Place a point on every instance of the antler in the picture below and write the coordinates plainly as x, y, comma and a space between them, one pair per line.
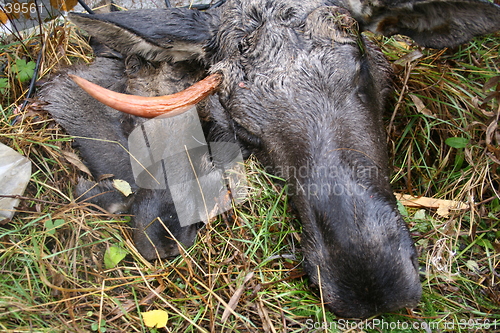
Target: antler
149, 107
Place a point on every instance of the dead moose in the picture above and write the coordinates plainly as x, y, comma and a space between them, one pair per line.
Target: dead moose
293, 82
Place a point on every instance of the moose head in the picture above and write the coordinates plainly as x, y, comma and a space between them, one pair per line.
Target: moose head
296, 84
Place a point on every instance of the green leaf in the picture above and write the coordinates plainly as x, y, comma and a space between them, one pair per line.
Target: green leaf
96, 326
473, 266
459, 159
24, 70
495, 205
485, 243
51, 226
402, 209
4, 85
456, 142
113, 256
419, 214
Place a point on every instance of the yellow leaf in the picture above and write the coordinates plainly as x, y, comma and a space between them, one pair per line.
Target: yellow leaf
3, 17
403, 45
420, 106
64, 5
122, 186
443, 211
155, 318
442, 204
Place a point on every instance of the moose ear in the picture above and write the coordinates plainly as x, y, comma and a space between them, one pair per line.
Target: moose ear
160, 34
436, 24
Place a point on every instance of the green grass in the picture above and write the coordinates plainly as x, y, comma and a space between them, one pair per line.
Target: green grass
52, 272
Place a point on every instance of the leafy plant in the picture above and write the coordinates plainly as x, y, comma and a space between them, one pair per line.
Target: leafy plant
24, 70
114, 254
456, 142
52, 225
4, 85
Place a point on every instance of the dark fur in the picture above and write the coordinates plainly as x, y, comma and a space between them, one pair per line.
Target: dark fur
303, 91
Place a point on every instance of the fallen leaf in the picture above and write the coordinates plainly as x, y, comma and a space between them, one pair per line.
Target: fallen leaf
233, 302
409, 58
75, 160
491, 83
491, 131
443, 206
113, 255
267, 325
3, 17
473, 266
420, 106
155, 318
105, 176
64, 5
122, 186
443, 211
